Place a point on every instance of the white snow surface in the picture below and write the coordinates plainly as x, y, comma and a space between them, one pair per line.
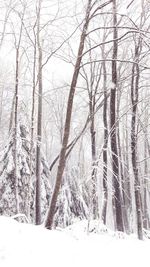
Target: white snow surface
28, 245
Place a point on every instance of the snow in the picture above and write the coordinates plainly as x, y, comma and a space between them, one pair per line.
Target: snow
28, 245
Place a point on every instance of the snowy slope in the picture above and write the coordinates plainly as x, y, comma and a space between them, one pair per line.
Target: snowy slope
28, 245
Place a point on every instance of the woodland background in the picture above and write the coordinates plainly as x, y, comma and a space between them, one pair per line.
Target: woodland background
74, 112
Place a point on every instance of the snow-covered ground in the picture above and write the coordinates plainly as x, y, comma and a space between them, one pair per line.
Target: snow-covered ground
27, 245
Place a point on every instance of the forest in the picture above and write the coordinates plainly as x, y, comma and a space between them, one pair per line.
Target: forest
74, 112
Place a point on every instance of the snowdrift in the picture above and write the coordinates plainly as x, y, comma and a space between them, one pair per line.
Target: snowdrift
26, 245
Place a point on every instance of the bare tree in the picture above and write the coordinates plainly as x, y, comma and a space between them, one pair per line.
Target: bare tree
17, 47
39, 122
61, 165
134, 99
105, 158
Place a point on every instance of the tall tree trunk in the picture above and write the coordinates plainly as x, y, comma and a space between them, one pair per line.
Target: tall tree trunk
11, 120
1, 105
134, 100
17, 44
16, 130
39, 124
146, 222
61, 165
32, 130
105, 107
93, 149
113, 137
121, 164
127, 183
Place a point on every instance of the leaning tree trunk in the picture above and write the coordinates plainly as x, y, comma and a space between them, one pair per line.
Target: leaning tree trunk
62, 160
113, 136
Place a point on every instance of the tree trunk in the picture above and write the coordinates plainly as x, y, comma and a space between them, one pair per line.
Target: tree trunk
11, 120
39, 125
61, 165
17, 44
93, 150
146, 222
113, 137
16, 130
32, 130
134, 100
105, 107
121, 165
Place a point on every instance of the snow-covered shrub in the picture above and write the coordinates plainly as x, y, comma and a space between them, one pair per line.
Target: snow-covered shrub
25, 176
71, 205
